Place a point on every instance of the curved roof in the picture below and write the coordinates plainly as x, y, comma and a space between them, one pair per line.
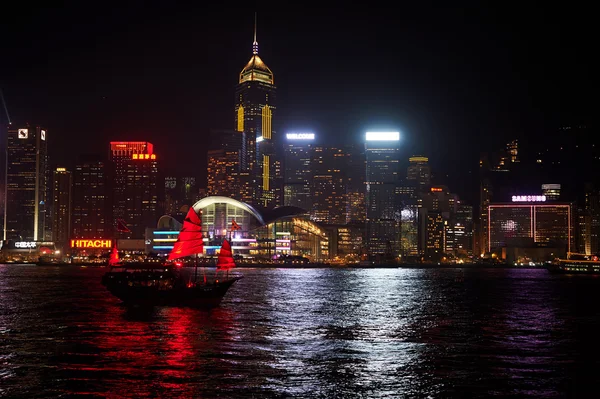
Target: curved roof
282, 211
256, 69
204, 202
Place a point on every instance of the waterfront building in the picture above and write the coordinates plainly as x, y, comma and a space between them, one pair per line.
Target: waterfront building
268, 236
298, 151
90, 207
62, 183
27, 181
529, 221
328, 185
381, 177
134, 176
255, 106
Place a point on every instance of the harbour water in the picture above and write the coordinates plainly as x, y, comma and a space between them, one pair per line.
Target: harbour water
308, 333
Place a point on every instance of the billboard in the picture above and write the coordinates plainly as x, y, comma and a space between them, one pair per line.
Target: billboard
23, 133
94, 243
382, 136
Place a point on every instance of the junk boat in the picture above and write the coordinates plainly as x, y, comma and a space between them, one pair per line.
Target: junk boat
165, 284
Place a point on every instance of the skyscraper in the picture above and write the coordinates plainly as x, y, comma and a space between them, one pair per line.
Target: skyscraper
254, 114
61, 206
26, 191
90, 217
134, 175
329, 185
383, 211
225, 176
297, 163
419, 171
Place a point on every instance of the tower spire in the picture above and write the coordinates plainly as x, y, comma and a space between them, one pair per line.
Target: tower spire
255, 43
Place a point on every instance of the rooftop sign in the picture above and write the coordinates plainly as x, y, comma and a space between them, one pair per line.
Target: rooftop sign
104, 243
300, 136
528, 198
382, 136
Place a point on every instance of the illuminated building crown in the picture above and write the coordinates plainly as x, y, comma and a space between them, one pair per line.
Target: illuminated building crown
256, 69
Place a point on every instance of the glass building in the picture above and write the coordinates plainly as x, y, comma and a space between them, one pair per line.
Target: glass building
522, 224
383, 210
61, 206
134, 175
255, 106
90, 210
276, 235
297, 163
27, 180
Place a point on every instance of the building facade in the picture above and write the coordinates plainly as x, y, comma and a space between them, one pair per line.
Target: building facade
90, 216
62, 184
328, 185
527, 224
27, 181
134, 175
255, 106
382, 174
419, 171
298, 151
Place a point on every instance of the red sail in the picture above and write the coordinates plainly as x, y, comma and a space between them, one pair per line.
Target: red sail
114, 257
189, 241
225, 257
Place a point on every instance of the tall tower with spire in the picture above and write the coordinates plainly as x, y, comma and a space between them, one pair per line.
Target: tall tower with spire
254, 116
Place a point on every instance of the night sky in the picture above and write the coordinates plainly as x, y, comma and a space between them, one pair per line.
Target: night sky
454, 81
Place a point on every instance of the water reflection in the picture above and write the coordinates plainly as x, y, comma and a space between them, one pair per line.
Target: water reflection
304, 333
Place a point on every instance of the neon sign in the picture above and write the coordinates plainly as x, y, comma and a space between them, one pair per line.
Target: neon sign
436, 189
143, 156
25, 244
91, 243
528, 198
300, 136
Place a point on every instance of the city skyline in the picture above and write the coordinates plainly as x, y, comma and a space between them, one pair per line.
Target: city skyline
431, 98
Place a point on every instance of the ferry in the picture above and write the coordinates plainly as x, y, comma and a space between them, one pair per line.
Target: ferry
576, 263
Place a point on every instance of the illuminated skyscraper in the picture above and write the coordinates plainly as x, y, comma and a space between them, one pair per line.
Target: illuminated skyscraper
419, 171
180, 192
225, 176
61, 206
329, 185
254, 115
297, 163
134, 175
26, 191
383, 208
90, 217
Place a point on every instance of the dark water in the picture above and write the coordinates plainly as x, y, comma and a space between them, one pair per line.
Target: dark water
311, 333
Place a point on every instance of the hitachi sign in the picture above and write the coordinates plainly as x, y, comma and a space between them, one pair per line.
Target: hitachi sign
91, 243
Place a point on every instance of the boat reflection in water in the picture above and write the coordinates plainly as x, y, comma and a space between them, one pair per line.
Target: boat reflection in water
152, 284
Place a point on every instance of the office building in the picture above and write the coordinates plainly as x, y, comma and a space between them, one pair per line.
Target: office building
224, 166
90, 216
530, 221
328, 185
26, 190
419, 171
298, 150
61, 206
381, 177
134, 175
551, 191
180, 193
255, 106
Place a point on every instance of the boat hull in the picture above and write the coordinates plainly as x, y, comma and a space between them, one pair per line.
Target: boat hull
574, 267
197, 296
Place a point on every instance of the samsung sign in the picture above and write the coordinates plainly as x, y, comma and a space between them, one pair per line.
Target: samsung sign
300, 136
528, 198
